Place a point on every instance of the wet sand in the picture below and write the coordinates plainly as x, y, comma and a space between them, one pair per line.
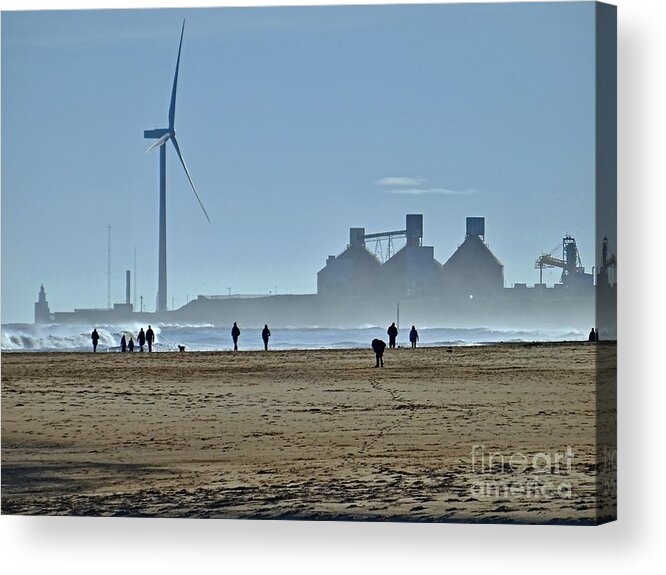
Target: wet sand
307, 434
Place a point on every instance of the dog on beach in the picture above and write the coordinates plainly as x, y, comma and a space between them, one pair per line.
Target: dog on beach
181, 348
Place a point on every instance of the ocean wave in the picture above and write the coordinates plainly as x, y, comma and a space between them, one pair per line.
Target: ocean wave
29, 337
53, 338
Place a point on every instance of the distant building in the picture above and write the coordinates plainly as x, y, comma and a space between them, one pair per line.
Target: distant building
473, 270
362, 287
413, 270
42, 312
352, 273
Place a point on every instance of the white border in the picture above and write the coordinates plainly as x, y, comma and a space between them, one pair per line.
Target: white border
69, 545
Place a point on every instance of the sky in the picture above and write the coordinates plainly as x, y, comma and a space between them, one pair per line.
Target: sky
296, 124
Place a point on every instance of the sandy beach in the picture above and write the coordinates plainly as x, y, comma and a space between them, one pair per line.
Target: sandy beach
502, 433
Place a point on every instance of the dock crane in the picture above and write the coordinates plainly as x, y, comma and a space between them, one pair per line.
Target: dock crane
569, 263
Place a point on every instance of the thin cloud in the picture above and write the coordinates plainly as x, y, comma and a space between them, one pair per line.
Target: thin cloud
429, 191
400, 181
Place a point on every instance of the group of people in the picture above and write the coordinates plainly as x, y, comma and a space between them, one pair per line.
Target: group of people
143, 338
378, 345
265, 335
392, 332
148, 338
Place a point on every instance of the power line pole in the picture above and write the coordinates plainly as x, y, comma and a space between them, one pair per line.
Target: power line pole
108, 268
134, 278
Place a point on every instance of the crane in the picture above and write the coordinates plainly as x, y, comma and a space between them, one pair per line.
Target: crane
569, 263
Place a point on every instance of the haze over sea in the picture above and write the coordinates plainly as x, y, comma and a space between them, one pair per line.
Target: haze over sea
30, 337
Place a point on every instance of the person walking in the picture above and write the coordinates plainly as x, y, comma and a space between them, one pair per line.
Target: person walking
123, 344
235, 333
150, 337
142, 339
94, 336
413, 336
130, 345
392, 332
265, 334
378, 346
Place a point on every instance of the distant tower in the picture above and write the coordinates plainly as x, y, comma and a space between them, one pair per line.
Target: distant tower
604, 253
108, 268
42, 312
127, 288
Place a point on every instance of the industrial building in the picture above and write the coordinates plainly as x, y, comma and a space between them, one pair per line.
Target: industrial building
574, 279
473, 270
119, 312
370, 282
413, 271
351, 274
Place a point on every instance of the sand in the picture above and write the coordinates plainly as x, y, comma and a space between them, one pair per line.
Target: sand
307, 434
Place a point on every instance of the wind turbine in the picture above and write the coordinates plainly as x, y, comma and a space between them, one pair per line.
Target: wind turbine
163, 135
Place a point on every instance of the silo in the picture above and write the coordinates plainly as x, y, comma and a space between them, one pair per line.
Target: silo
352, 273
473, 270
413, 270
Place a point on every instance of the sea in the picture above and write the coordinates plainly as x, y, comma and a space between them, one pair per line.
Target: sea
76, 338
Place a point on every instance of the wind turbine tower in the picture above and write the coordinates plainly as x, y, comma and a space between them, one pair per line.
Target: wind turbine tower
163, 135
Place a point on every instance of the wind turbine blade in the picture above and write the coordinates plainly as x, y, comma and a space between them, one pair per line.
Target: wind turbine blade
159, 142
182, 161
172, 104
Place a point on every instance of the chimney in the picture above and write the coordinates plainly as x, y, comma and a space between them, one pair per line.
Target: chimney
127, 287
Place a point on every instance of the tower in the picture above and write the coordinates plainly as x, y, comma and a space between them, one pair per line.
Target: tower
42, 312
163, 135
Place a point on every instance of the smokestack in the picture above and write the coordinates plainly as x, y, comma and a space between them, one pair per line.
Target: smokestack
127, 287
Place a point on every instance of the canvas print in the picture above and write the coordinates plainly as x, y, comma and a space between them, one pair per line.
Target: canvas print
317, 263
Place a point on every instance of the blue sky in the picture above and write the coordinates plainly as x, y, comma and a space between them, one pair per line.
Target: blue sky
295, 124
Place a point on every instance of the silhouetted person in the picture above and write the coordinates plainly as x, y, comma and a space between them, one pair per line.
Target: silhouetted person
596, 335
392, 332
235, 333
150, 337
378, 346
95, 338
413, 336
130, 345
265, 334
141, 339
592, 336
123, 344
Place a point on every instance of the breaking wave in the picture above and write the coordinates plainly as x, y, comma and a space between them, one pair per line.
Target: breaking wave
29, 337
